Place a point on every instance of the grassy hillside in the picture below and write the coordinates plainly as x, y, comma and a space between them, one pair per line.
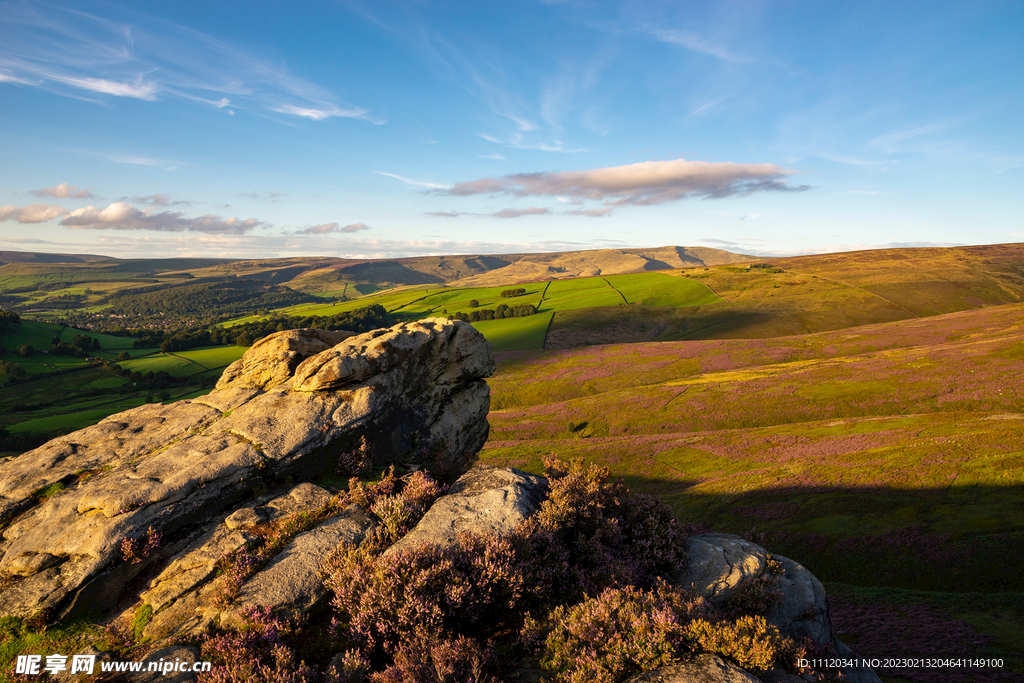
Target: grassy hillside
887, 458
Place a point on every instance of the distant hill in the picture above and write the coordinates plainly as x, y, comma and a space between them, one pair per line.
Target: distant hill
326, 274
39, 257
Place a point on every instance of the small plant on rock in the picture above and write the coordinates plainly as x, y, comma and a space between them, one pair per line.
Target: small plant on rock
135, 550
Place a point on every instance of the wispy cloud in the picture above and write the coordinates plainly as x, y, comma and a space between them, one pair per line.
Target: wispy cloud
122, 216
332, 228
504, 213
271, 196
160, 199
32, 213
63, 191
417, 183
593, 213
496, 157
131, 54
649, 182
891, 143
697, 43
516, 213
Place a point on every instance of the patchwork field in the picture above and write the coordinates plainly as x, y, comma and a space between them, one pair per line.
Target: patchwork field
888, 458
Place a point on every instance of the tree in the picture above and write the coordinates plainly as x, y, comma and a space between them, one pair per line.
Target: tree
473, 303
124, 355
8, 319
25, 350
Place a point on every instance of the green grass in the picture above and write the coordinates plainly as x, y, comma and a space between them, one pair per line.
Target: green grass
213, 356
515, 334
656, 289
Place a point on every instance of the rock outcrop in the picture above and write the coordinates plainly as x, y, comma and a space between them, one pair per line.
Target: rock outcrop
485, 500
720, 564
295, 404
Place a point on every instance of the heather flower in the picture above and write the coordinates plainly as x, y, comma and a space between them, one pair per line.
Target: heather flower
135, 550
617, 634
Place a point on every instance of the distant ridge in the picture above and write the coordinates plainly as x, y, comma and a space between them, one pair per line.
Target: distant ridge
40, 257
322, 274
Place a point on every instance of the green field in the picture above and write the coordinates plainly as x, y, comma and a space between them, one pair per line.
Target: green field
552, 299
515, 334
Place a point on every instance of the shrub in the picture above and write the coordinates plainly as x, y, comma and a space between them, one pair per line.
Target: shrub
135, 550
617, 634
255, 654
475, 584
426, 657
750, 641
398, 513
613, 537
351, 669
518, 291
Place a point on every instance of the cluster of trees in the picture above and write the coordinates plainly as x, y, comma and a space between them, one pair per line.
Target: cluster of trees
8, 320
207, 299
364, 319
518, 291
502, 311
12, 369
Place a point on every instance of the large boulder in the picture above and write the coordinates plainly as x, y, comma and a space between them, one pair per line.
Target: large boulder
485, 500
718, 565
272, 360
417, 393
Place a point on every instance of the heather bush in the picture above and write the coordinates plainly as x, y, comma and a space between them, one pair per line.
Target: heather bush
472, 586
613, 537
617, 634
399, 512
426, 657
255, 654
351, 669
135, 550
750, 641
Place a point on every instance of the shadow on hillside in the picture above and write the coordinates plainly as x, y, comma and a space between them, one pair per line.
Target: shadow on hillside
714, 324
872, 536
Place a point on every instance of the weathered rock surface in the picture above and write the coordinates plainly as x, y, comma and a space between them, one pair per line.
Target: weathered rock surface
172, 468
485, 500
292, 581
719, 564
272, 360
705, 668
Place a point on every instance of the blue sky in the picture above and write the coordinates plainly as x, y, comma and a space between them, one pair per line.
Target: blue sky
369, 129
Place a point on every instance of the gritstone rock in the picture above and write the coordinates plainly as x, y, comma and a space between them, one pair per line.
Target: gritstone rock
415, 390
485, 500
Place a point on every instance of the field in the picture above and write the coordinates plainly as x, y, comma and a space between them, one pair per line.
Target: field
887, 458
587, 297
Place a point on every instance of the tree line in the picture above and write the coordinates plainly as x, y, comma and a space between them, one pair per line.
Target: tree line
502, 311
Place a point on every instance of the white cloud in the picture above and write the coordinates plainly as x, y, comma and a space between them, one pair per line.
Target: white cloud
271, 196
160, 199
32, 213
332, 228
696, 43
516, 213
328, 112
418, 183
138, 90
63, 191
131, 54
593, 213
496, 157
122, 216
649, 182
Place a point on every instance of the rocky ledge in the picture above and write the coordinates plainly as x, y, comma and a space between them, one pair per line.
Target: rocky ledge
298, 404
